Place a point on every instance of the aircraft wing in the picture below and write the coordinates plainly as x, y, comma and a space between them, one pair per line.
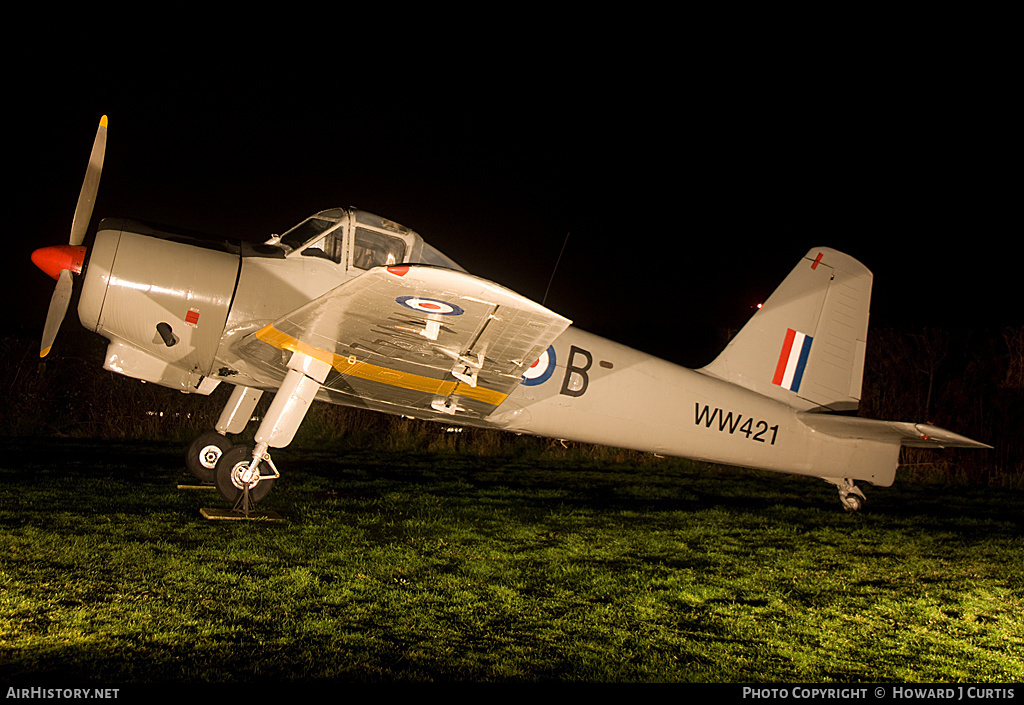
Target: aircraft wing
417, 337
914, 435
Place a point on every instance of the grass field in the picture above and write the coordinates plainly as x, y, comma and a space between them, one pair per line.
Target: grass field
413, 567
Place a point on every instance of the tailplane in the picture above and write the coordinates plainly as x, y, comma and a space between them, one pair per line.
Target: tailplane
805, 346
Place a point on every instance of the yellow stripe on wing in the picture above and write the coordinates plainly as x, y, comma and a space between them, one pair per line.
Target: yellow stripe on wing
351, 367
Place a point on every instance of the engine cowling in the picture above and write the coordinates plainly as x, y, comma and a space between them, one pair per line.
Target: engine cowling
161, 303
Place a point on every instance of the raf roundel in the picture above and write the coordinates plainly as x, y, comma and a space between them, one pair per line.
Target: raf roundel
541, 371
418, 303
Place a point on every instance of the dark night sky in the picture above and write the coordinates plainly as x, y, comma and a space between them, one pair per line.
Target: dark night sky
689, 195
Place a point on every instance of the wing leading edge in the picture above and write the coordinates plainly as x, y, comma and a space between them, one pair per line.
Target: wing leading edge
417, 337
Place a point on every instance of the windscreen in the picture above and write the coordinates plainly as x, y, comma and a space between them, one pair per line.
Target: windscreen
305, 231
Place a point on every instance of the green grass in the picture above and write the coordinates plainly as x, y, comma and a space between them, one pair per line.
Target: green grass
410, 567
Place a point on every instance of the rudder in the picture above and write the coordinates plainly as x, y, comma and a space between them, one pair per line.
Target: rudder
805, 346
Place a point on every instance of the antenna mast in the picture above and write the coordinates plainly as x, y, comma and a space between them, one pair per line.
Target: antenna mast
545, 299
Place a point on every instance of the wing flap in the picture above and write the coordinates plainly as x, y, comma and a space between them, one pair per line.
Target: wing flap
417, 337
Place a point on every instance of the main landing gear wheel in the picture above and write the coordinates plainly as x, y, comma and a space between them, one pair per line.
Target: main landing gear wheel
232, 477
202, 456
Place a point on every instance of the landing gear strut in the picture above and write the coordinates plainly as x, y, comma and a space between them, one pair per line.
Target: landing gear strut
244, 474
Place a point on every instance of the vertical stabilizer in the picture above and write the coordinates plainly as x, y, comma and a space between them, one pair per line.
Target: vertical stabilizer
805, 346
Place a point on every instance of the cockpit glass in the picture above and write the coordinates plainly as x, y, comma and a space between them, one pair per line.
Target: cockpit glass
374, 249
331, 246
305, 231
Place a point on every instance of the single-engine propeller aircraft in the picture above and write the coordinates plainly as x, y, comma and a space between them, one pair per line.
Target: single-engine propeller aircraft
351, 308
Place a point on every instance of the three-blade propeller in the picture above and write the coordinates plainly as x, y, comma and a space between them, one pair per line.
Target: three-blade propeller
60, 261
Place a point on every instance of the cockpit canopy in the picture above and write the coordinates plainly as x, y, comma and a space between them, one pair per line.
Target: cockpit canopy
359, 240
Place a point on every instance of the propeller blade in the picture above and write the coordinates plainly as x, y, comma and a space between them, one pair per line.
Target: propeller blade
90, 185
61, 261
58, 307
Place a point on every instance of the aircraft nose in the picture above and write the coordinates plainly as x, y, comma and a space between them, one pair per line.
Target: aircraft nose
56, 258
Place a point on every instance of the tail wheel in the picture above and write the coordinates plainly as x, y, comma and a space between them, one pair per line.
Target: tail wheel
852, 503
204, 453
231, 475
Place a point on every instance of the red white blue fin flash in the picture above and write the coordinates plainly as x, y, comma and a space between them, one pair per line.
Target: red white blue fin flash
795, 350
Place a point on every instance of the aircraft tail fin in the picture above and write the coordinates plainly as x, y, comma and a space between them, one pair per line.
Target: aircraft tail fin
805, 346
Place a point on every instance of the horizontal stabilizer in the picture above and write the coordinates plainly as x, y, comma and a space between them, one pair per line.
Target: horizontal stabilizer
912, 435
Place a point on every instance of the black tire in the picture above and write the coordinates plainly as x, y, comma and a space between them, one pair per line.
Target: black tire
202, 456
236, 459
853, 503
